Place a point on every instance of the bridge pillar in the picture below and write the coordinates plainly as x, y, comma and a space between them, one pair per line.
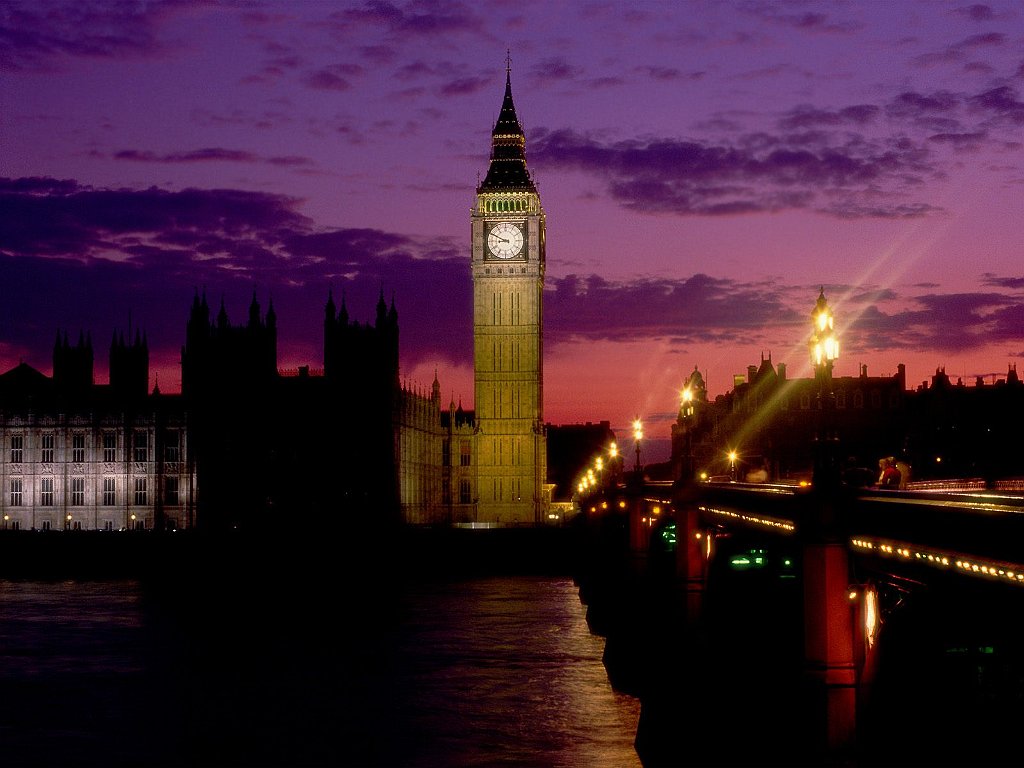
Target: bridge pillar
639, 525
691, 571
829, 636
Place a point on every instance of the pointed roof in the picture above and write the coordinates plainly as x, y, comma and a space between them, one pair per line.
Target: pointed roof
22, 382
766, 368
507, 169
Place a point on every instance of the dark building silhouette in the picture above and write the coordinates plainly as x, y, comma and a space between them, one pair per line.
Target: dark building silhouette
966, 431
274, 449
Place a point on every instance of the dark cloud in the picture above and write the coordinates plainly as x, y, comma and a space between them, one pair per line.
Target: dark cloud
656, 72
93, 255
960, 140
465, 85
1001, 103
912, 105
960, 50
1002, 282
691, 310
326, 80
37, 35
806, 21
701, 309
979, 41
806, 116
976, 12
417, 18
952, 323
844, 176
210, 154
554, 69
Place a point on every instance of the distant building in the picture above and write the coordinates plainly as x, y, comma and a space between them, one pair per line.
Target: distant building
956, 430
771, 422
940, 430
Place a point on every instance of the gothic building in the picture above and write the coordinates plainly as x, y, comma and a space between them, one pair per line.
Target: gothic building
307, 449
246, 445
77, 455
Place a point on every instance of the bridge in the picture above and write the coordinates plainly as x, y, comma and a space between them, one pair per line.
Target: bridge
852, 554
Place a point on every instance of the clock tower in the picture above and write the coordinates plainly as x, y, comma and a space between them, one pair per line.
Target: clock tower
507, 224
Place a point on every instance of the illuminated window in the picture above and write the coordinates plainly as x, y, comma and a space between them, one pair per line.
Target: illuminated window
46, 449
77, 491
140, 491
78, 447
171, 491
16, 487
109, 447
464, 453
46, 492
109, 492
17, 447
139, 446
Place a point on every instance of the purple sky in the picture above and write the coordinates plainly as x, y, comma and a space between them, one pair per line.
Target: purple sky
705, 168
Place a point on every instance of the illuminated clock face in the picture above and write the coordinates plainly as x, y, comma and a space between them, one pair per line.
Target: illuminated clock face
505, 240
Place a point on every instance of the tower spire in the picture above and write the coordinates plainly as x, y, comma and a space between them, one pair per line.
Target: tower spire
507, 169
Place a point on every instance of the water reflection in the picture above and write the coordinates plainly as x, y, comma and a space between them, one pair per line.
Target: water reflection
507, 673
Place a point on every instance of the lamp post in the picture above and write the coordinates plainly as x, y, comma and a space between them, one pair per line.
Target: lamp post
824, 344
830, 638
824, 349
638, 433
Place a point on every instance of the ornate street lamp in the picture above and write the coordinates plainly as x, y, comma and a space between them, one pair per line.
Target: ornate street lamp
638, 433
824, 348
824, 344
687, 397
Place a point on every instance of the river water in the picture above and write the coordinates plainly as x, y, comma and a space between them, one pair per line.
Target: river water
260, 671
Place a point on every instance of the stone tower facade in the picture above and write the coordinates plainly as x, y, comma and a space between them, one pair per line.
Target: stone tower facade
508, 241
